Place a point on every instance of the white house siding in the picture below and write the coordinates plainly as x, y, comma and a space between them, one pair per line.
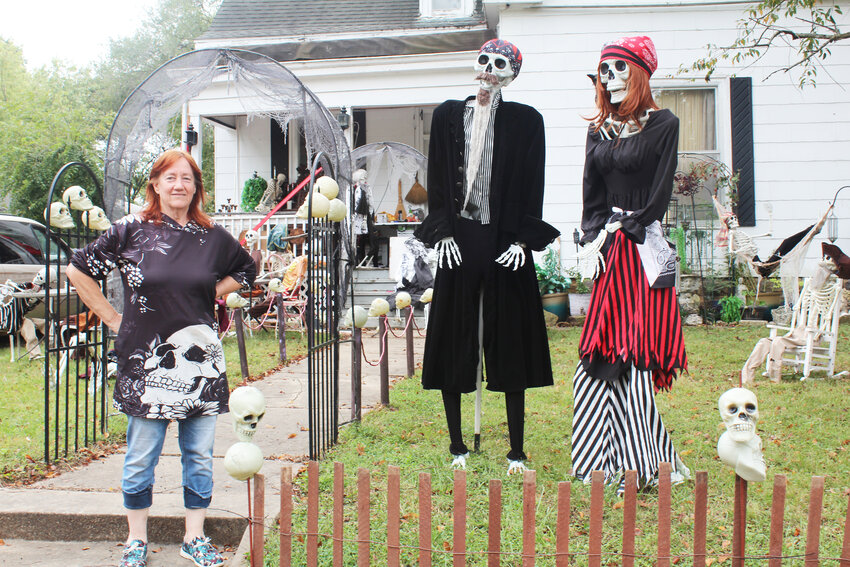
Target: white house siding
801, 137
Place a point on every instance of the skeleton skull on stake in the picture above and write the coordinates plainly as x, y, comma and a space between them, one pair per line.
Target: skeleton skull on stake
96, 219
243, 460
379, 307
402, 300
59, 216
236, 301
614, 74
740, 447
76, 198
248, 406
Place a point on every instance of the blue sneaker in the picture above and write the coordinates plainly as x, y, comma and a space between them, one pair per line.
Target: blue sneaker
201, 552
135, 554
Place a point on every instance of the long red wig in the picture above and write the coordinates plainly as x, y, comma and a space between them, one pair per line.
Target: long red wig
638, 99
153, 208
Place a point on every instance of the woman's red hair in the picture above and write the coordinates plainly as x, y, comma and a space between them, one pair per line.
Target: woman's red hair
638, 99
153, 208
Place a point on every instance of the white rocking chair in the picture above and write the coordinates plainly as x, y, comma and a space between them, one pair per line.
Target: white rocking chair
814, 325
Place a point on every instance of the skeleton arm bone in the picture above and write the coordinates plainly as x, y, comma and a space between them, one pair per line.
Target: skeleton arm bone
89, 291
447, 252
513, 257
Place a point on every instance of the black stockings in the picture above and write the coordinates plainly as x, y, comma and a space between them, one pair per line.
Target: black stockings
515, 406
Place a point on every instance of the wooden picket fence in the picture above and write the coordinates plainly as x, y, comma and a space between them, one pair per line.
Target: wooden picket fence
593, 557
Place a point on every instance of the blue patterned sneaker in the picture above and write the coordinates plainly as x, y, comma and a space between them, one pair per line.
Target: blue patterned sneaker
135, 554
201, 552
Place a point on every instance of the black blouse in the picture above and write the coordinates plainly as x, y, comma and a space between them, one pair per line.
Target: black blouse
634, 174
170, 360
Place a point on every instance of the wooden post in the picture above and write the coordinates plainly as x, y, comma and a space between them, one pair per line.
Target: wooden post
281, 327
494, 533
529, 512
408, 337
845, 550
393, 516
813, 529
362, 517
285, 516
339, 517
356, 373
459, 515
240, 342
629, 518
700, 518
385, 362
313, 514
664, 502
594, 549
777, 520
424, 520
739, 522
257, 524
562, 529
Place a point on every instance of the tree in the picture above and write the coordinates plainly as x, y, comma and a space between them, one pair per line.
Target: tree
808, 27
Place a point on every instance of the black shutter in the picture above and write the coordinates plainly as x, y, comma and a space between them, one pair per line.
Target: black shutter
741, 89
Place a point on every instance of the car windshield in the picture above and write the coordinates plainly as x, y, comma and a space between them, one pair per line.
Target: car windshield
25, 243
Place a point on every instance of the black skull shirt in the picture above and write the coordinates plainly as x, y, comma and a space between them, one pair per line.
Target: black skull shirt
170, 359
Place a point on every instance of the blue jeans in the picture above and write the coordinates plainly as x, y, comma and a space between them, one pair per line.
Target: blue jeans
144, 446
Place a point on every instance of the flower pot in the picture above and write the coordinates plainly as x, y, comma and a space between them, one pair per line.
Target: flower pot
579, 303
557, 304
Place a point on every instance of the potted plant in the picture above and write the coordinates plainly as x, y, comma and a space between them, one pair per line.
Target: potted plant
553, 284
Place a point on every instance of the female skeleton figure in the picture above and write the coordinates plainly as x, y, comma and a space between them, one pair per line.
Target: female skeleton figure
631, 342
485, 202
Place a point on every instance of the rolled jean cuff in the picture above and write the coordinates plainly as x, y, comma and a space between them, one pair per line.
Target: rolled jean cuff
139, 500
194, 501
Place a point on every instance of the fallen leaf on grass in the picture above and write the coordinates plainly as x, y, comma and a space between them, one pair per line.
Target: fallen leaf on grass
726, 543
796, 532
361, 449
617, 505
446, 546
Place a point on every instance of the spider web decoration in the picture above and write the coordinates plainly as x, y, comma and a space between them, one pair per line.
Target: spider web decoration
392, 160
263, 87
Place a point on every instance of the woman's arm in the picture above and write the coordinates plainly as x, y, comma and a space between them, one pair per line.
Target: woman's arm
226, 285
89, 291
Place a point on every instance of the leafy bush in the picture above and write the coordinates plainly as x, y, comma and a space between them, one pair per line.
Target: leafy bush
550, 273
253, 192
731, 308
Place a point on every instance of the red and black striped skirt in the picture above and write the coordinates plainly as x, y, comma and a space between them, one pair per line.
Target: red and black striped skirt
630, 323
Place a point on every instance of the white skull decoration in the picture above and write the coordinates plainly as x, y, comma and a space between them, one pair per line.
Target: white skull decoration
251, 238
493, 64
96, 219
740, 447
41, 277
359, 176
235, 301
59, 216
402, 300
379, 307
243, 460
276, 286
247, 406
76, 198
614, 74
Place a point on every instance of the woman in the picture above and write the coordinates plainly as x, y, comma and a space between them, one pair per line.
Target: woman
174, 262
631, 342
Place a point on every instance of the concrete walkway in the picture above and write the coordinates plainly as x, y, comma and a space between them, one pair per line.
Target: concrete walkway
77, 518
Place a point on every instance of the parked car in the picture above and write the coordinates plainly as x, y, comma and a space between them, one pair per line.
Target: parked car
23, 246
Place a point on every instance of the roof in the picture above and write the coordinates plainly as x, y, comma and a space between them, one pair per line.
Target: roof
342, 28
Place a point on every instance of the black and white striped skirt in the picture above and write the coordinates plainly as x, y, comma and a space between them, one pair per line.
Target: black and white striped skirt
617, 427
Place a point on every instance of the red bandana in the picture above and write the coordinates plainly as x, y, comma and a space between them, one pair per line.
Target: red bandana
638, 50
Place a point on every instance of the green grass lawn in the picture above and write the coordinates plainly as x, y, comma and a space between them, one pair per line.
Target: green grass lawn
804, 430
22, 410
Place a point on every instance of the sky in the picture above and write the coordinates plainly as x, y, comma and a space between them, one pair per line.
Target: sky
74, 31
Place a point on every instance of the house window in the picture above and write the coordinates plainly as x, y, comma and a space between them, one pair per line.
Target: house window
697, 125
438, 8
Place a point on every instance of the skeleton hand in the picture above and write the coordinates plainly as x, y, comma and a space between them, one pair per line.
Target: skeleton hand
513, 256
447, 252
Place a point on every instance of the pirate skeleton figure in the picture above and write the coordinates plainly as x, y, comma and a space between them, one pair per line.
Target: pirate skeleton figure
485, 201
631, 344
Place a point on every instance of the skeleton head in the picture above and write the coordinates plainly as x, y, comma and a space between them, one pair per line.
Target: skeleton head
498, 64
235, 301
327, 187
251, 238
402, 300
614, 74
740, 412
76, 198
427, 295
243, 460
379, 307
41, 277
359, 176
96, 219
248, 406
180, 371
276, 286
59, 216
336, 210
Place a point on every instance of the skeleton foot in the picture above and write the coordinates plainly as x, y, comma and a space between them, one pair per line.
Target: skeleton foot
459, 461
516, 467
